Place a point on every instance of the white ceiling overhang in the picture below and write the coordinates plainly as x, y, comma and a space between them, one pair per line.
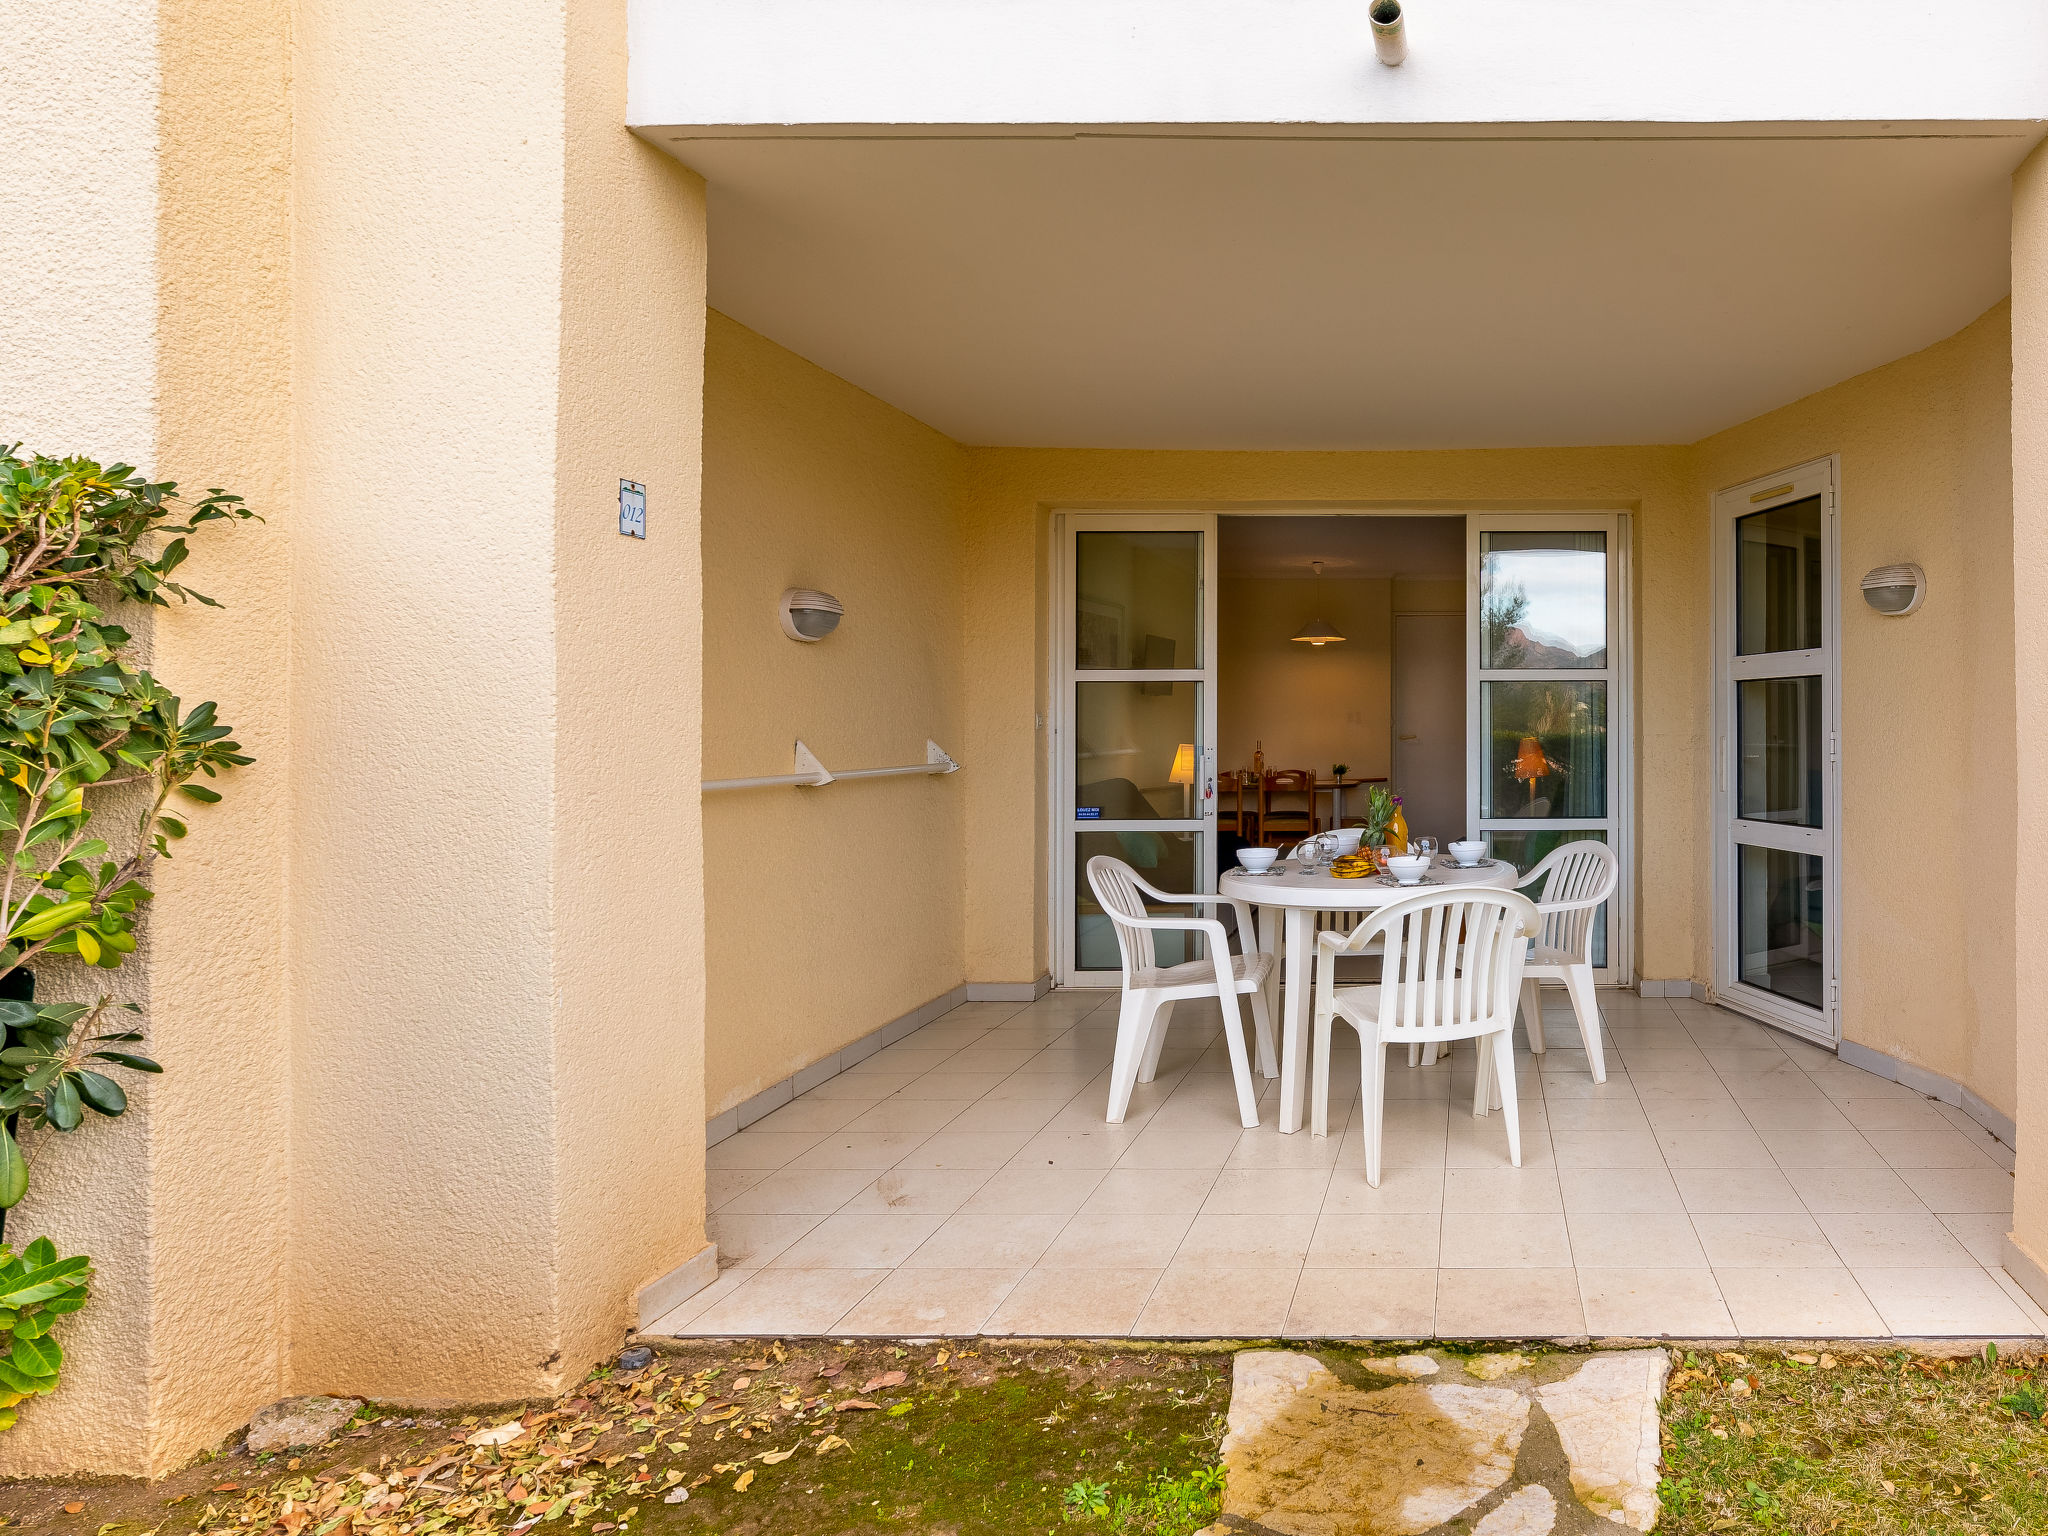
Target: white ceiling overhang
1389, 287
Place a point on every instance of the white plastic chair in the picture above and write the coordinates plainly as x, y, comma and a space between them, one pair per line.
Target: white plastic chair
1577, 877
1452, 971
1151, 990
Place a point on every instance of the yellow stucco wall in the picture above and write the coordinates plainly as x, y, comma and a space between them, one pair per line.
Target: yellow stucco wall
838, 909
1928, 767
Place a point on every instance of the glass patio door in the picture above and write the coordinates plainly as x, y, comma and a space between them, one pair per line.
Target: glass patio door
1546, 709
1777, 734
1134, 722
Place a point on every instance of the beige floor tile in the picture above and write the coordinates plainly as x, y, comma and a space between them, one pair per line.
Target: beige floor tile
1747, 1060
787, 1301
1942, 1302
1405, 1188
985, 1057
1696, 1115
987, 1240
1148, 1191
1619, 1191
1654, 1303
860, 1149
1118, 1240
2036, 1316
1696, 1085
1265, 1147
1798, 1304
1502, 1190
1764, 1241
1247, 1242
1825, 1149
1505, 1240
760, 1149
966, 1149
1020, 1190
1481, 1143
1508, 1303
1607, 1149
918, 1189
679, 1319
722, 1185
1642, 1064
1949, 1191
1775, 1087
903, 1057
814, 1115
1262, 1191
1853, 1189
860, 1240
1155, 1148
1617, 1114
1736, 1191
1896, 1240
1363, 1304
1093, 1303
1568, 1087
1199, 1300
965, 1087
1714, 1149
1784, 1117
869, 1086
818, 1190
985, 1115
1377, 1242
927, 1302
750, 1240
1980, 1232
894, 1114
1060, 1088
1099, 1147
1634, 1241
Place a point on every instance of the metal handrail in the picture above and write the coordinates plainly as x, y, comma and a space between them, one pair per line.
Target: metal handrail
812, 774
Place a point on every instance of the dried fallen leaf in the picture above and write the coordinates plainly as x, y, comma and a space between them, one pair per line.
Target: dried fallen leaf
79, 1509
720, 1415
497, 1434
856, 1402
886, 1379
829, 1371
744, 1481
676, 1496
753, 1365
829, 1443
1805, 1359
1827, 1362
776, 1458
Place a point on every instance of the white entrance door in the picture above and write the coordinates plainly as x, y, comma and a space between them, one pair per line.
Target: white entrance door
1546, 708
1134, 722
1777, 729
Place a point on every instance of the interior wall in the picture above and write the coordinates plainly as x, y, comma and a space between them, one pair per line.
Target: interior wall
1929, 768
1312, 706
839, 909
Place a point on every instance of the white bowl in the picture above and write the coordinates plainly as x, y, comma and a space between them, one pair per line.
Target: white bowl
1257, 860
1408, 868
1467, 853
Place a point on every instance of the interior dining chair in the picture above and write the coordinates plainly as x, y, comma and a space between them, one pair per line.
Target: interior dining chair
1235, 816
1286, 824
1577, 878
1151, 990
1452, 970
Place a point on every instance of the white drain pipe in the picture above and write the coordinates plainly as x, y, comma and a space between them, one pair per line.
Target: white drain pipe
1389, 31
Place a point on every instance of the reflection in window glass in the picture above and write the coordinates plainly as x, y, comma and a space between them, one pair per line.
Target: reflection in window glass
1169, 861
1777, 734
1778, 574
1128, 757
1525, 850
1545, 750
1778, 918
1543, 600
1139, 601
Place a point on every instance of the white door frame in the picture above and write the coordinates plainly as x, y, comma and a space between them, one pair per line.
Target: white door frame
1822, 477
1618, 674
1066, 526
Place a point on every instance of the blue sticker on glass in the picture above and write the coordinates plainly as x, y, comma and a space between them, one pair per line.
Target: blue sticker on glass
1087, 813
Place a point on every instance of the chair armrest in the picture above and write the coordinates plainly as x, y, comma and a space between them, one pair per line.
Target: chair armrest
1545, 908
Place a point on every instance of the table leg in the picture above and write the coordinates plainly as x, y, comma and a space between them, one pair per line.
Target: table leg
1297, 1017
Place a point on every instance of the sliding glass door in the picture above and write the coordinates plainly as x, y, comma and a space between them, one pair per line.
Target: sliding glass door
1545, 704
1134, 721
1777, 726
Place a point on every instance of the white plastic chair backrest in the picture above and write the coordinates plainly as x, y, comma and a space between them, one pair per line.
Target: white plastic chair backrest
1115, 885
1453, 961
1578, 872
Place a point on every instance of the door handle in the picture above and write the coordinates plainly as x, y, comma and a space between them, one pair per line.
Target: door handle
1410, 736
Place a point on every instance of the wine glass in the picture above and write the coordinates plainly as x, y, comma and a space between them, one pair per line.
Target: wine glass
1425, 846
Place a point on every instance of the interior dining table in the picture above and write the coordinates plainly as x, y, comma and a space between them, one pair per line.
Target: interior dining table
1286, 901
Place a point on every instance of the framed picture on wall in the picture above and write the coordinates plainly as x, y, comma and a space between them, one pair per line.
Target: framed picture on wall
1098, 635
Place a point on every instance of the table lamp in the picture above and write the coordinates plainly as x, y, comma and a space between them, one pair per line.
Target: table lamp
1184, 775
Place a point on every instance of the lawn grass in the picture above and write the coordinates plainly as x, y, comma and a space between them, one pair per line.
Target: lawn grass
1857, 1442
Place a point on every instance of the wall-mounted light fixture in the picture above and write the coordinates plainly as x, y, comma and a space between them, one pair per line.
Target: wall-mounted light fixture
1895, 590
1318, 631
1389, 31
809, 616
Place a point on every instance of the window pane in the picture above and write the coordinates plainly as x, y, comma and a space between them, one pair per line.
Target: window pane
1543, 600
1546, 749
1777, 733
1778, 559
1139, 601
1778, 920
1136, 750
1525, 850
1168, 860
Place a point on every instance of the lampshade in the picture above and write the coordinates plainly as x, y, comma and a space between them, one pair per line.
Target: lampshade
1183, 765
1530, 761
1318, 632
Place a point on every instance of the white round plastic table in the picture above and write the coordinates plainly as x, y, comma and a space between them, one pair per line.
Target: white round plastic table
1299, 897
